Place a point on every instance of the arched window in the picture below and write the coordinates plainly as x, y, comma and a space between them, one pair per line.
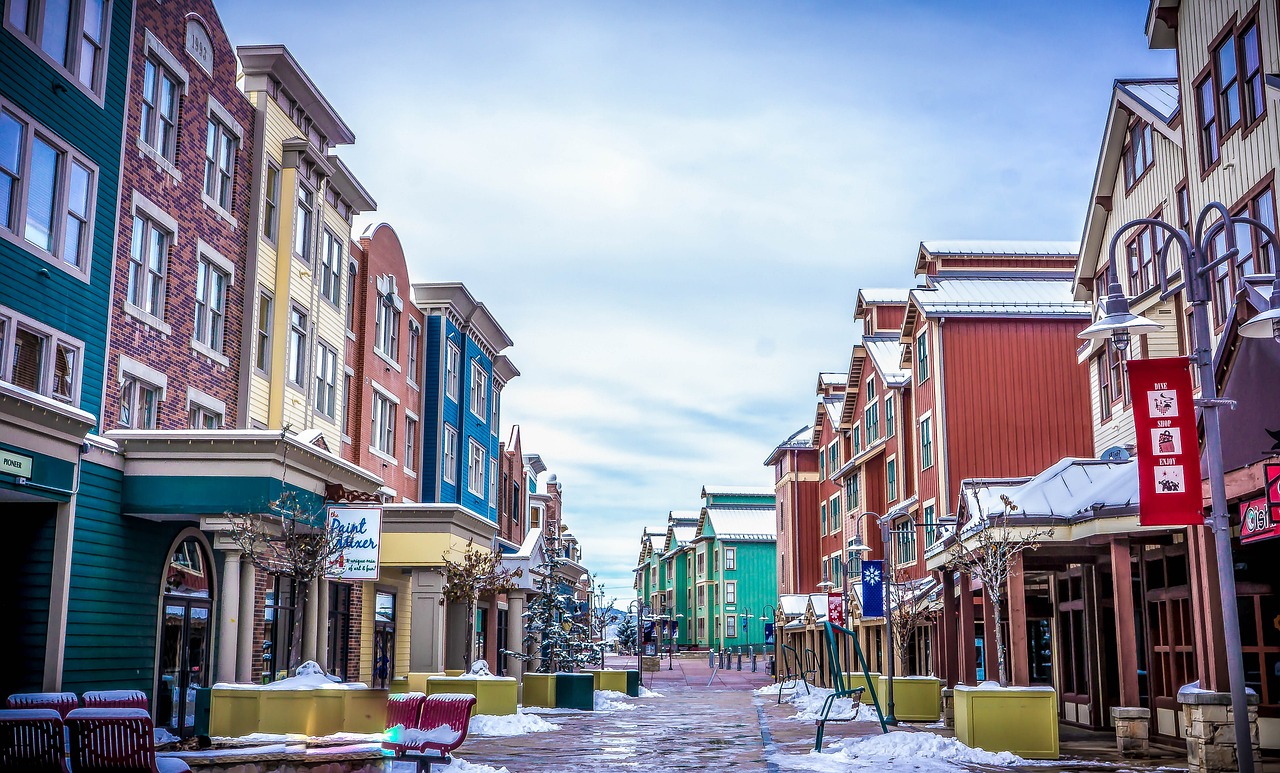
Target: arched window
186, 635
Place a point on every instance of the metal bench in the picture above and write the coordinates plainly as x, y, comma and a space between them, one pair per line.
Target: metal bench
32, 740
116, 699
117, 740
441, 728
404, 709
841, 689
790, 655
61, 702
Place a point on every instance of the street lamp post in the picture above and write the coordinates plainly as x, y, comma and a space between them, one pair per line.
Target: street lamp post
1118, 324
642, 609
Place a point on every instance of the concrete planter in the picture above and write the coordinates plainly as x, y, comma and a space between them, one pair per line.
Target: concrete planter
1022, 720
854, 680
494, 695
454, 672
609, 680
575, 691
418, 680
915, 698
364, 711
237, 712
539, 690
233, 712
326, 712
284, 711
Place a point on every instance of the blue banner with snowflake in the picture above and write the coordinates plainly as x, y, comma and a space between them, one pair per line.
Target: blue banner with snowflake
873, 589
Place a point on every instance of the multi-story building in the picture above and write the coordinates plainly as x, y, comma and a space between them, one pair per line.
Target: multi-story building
734, 574
677, 568
516, 481
796, 483
832, 453
180, 284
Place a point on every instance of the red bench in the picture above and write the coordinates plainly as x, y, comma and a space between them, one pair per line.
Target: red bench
440, 729
116, 740
116, 699
404, 709
31, 740
61, 702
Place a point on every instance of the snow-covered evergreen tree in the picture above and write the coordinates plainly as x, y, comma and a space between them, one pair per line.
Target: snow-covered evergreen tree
557, 634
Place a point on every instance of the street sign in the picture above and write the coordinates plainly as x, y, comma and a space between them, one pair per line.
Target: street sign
1164, 416
873, 588
1260, 518
835, 608
359, 530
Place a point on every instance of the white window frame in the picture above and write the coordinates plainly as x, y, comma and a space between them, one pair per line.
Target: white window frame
70, 69
224, 127
295, 364
449, 454
326, 376
413, 360
144, 377
731, 592
304, 203
383, 423
730, 559
330, 269
139, 269
476, 462
264, 335
62, 215
386, 332
166, 65
493, 482
200, 404
479, 397
53, 340
452, 364
730, 626
926, 431
211, 263
271, 201
410, 443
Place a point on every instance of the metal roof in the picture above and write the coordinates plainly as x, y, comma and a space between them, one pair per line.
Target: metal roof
883, 294
1160, 96
743, 523
834, 406
999, 296
720, 490
1069, 488
827, 378
999, 247
886, 353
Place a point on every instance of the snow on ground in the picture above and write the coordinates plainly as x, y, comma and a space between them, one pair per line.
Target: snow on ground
458, 765
163, 736
809, 706
645, 692
770, 689
899, 750
612, 700
519, 723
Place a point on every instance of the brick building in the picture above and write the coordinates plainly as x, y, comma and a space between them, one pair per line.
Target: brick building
185, 198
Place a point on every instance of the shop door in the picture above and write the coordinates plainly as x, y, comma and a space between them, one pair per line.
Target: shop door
384, 639
185, 637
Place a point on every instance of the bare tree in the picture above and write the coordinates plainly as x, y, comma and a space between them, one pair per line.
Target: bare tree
909, 605
286, 541
477, 573
990, 555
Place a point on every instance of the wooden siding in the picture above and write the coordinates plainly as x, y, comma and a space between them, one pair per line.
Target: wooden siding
924, 400
29, 538
1016, 399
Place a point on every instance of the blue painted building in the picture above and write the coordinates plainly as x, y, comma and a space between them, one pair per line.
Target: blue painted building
466, 372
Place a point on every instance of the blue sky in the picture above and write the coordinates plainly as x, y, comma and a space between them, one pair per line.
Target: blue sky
670, 206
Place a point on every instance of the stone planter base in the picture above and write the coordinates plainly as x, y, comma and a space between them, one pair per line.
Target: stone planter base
915, 698
651, 662
358, 758
949, 707
1133, 730
494, 695
538, 690
1208, 721
1022, 720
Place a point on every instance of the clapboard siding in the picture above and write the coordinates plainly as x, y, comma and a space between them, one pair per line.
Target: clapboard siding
30, 535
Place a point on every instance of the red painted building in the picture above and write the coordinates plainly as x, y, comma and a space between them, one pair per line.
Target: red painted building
829, 445
185, 200
513, 490
795, 466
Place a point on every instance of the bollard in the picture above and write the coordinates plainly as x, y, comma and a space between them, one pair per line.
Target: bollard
711, 659
739, 658
753, 661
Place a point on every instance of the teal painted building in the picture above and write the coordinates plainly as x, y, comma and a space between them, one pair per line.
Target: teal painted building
734, 553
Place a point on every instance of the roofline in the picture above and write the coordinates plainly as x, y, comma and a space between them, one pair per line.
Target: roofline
349, 187
455, 297
275, 60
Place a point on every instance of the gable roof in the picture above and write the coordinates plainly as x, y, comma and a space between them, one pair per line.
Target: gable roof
857, 361
800, 440
828, 378
829, 410
999, 295
738, 524
720, 490
998, 247
885, 353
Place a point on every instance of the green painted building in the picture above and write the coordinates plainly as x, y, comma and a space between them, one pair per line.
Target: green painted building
733, 554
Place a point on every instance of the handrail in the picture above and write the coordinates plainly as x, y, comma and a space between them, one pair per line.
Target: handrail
833, 657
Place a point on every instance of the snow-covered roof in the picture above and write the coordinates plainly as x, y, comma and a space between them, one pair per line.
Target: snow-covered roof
883, 295
743, 523
886, 353
999, 247
793, 604
999, 296
1068, 489
719, 490
1160, 95
801, 439
832, 379
687, 517
834, 406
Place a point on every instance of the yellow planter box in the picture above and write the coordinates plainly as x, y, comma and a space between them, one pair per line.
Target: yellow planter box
400, 685
233, 712
539, 690
326, 712
364, 711
494, 695
418, 680
285, 711
1022, 720
606, 679
454, 672
853, 681
915, 698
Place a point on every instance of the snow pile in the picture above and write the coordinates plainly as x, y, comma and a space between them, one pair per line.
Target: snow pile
612, 700
809, 707
308, 677
519, 723
441, 735
645, 692
163, 736
770, 689
458, 765
899, 750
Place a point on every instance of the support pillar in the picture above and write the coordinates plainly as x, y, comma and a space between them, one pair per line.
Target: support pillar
949, 629
244, 627
968, 643
309, 629
1206, 610
60, 594
990, 661
228, 615
491, 633
515, 632
1016, 592
1126, 636
322, 625
1209, 722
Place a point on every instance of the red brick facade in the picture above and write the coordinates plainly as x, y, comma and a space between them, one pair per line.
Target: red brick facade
377, 257
513, 494
165, 34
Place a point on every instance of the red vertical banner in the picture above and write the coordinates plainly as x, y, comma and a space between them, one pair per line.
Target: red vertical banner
1164, 416
835, 608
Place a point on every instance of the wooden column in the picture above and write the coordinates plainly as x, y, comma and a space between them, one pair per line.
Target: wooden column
1206, 609
968, 671
949, 630
1126, 636
491, 643
1019, 665
990, 659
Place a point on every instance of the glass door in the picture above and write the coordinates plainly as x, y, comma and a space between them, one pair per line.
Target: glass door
185, 638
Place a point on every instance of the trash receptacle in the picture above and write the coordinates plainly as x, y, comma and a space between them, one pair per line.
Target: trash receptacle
575, 691
633, 683
203, 699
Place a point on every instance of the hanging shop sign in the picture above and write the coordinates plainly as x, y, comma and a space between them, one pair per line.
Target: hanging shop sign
835, 608
768, 633
1260, 518
873, 588
1169, 490
359, 531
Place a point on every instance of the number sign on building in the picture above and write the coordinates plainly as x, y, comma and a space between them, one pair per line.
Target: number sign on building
1169, 490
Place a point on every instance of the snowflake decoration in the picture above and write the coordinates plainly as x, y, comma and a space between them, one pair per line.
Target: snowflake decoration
871, 576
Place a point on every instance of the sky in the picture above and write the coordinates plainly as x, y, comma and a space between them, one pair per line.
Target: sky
670, 207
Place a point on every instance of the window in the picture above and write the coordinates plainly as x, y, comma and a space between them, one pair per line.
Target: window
1141, 252
47, 192
263, 361
339, 630
905, 540
1104, 388
1208, 128
1226, 72
415, 339
1255, 103
331, 268
160, 95
922, 357
410, 442
833, 457
302, 220
479, 390
731, 626
297, 346
871, 420
857, 439
38, 358
211, 304
888, 416
348, 412
351, 296
702, 567
891, 479
851, 491
386, 327
148, 265
220, 146
452, 358
1112, 386
930, 525
200, 417
271, 203
731, 592
326, 369
730, 559
72, 35
449, 454
138, 403
926, 442
493, 482
835, 513
1254, 257
824, 517
475, 469
822, 465
384, 424
1137, 154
